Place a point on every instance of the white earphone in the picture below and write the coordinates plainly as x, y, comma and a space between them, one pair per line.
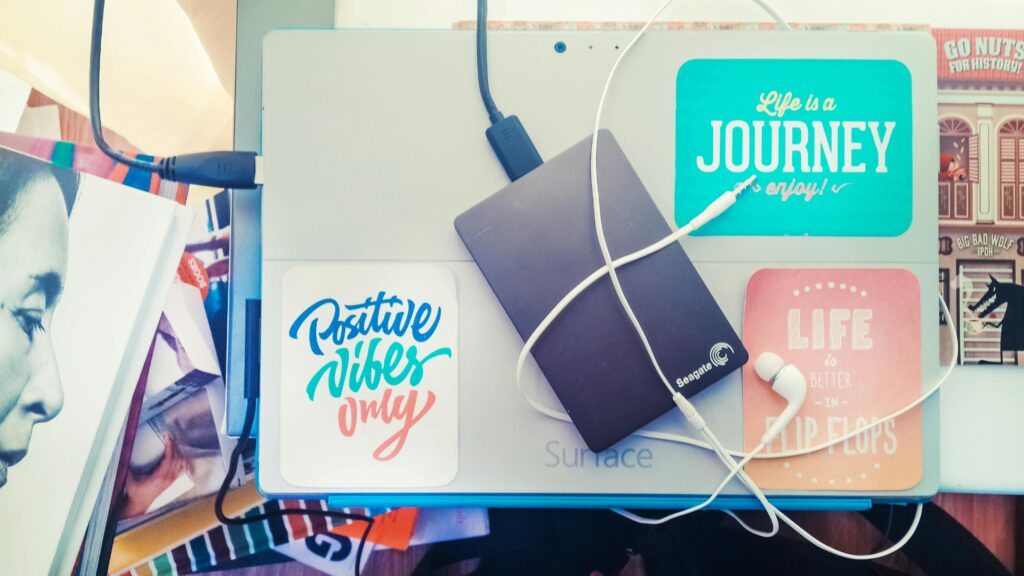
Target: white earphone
785, 379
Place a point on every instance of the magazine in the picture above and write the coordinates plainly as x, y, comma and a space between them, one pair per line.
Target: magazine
86, 265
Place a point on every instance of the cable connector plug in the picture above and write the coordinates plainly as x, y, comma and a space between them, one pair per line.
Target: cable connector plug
689, 411
513, 147
742, 186
721, 204
215, 169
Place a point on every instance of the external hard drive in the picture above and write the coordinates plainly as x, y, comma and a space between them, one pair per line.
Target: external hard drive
535, 240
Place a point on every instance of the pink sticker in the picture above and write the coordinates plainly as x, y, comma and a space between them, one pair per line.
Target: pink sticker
856, 336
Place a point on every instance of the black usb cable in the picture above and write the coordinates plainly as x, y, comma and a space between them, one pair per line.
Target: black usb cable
233, 463
252, 393
220, 170
508, 137
229, 169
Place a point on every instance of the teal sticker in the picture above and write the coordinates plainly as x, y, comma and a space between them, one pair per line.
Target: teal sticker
830, 142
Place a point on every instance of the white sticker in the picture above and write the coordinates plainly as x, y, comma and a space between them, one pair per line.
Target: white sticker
369, 376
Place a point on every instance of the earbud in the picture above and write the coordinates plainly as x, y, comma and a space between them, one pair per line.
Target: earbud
787, 381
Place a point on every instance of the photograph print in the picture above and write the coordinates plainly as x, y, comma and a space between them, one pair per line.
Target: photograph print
35, 203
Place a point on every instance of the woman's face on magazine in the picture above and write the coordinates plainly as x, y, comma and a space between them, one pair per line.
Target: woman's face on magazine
33, 263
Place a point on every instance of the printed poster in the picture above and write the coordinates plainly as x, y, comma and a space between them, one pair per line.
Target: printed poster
369, 376
832, 153
856, 336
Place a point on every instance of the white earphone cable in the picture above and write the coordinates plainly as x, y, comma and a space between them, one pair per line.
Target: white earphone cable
681, 439
711, 212
711, 497
684, 405
774, 15
595, 194
735, 470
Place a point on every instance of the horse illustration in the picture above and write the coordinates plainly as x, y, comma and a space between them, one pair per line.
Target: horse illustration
1012, 324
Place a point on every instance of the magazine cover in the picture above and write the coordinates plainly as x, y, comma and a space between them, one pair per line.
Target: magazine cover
180, 453
981, 191
84, 267
90, 160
